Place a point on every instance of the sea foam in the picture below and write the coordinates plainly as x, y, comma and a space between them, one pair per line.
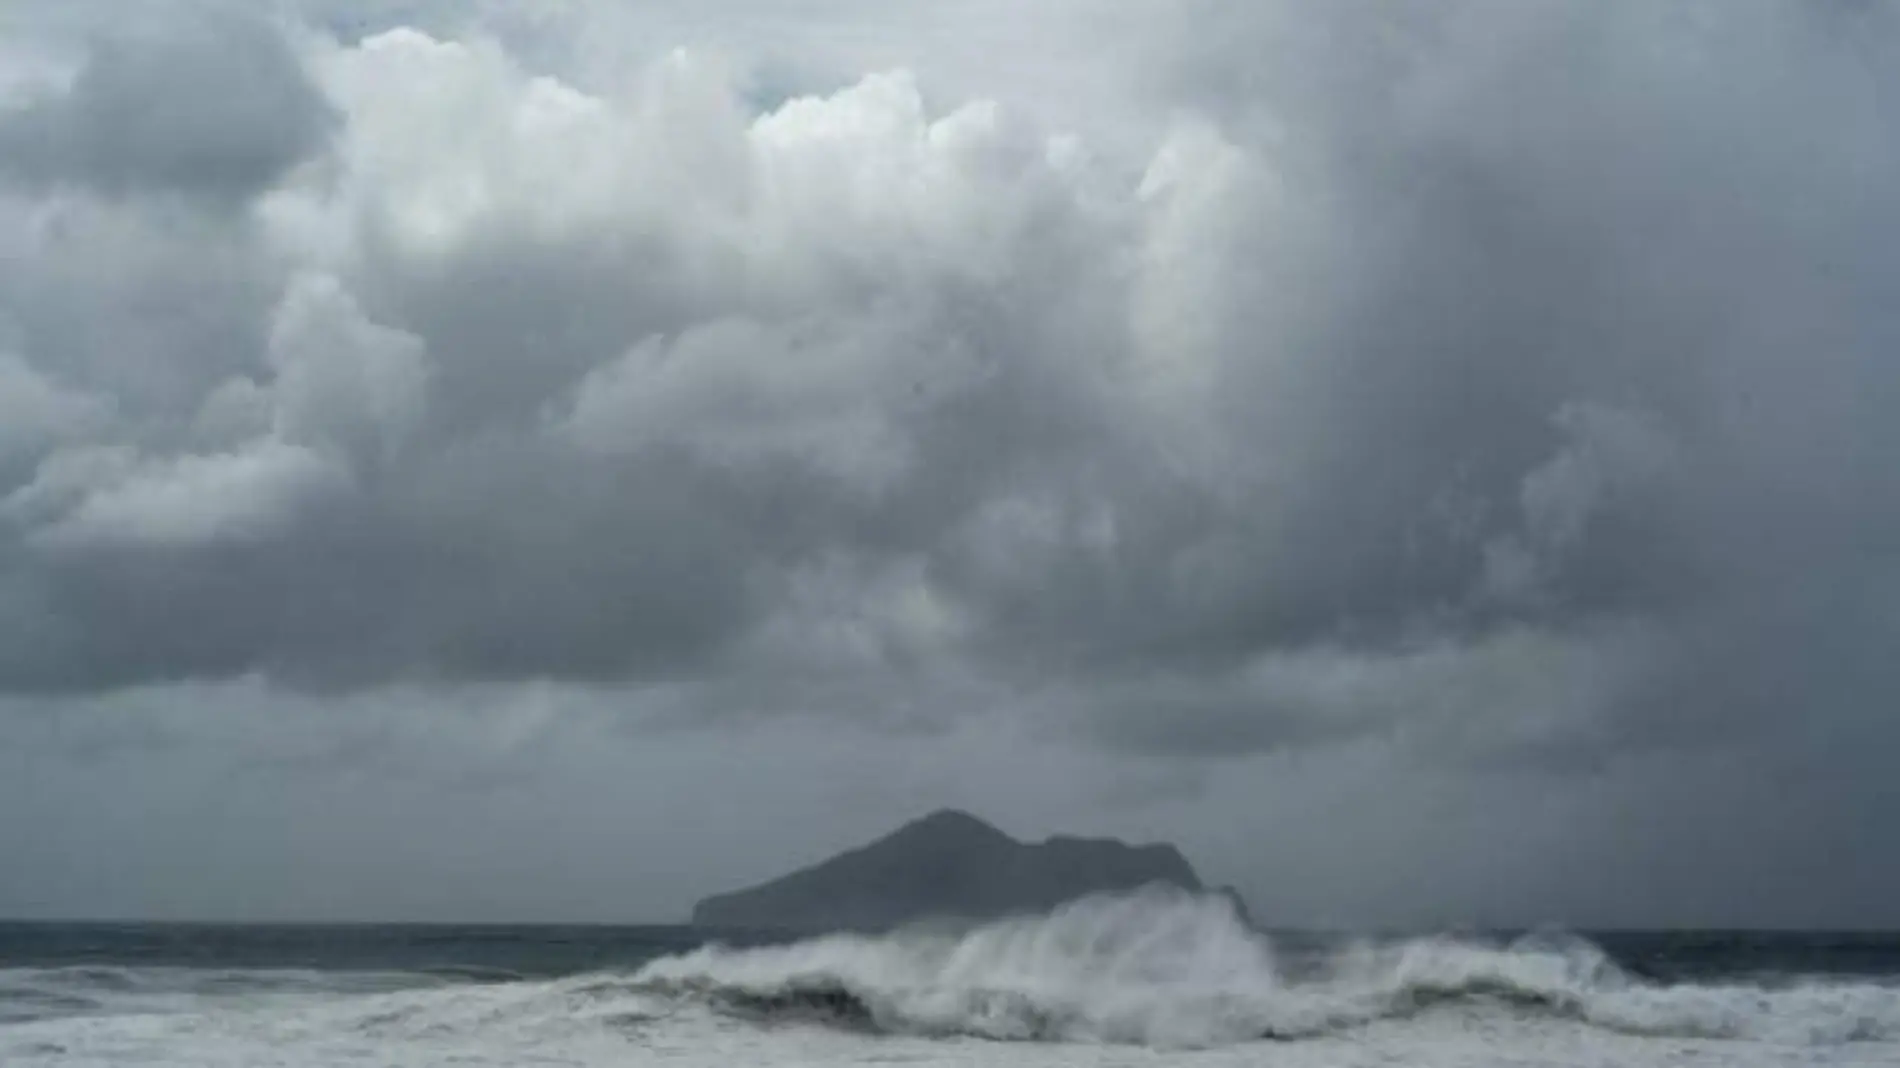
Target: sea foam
1170, 969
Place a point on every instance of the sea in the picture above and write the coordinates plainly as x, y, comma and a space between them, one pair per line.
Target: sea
1139, 980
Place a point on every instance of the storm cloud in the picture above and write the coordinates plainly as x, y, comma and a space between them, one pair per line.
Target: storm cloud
210, 103
1490, 402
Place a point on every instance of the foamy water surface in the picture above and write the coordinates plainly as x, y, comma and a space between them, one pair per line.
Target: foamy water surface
1148, 979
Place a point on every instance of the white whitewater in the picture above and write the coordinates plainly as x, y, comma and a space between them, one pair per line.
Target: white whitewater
1167, 969
1148, 979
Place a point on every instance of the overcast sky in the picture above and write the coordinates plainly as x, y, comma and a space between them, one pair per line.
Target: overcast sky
1438, 464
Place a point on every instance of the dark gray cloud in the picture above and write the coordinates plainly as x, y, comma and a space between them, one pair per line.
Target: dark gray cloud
1482, 403
199, 100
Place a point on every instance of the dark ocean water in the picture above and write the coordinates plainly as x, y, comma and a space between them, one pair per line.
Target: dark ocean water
546, 951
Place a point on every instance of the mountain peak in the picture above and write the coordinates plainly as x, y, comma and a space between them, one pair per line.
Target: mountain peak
951, 822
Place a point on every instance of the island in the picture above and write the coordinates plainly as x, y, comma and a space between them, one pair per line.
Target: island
949, 865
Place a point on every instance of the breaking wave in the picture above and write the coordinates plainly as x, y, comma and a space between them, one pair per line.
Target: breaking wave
1169, 969
1160, 969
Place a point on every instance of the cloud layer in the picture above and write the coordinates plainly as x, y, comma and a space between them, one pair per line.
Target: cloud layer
1511, 386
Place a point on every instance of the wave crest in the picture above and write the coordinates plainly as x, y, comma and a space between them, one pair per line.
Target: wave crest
1164, 968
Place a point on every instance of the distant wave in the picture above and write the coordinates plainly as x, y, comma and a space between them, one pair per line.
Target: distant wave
1168, 969
28, 994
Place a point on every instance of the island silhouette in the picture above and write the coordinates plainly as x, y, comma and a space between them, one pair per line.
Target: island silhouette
950, 865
